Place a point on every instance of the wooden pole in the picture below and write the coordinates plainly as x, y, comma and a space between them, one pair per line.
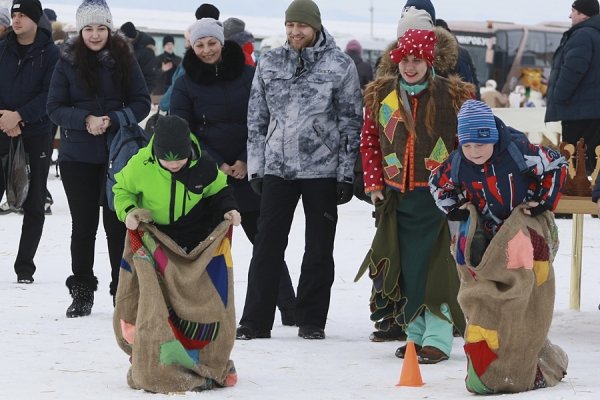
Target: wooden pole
575, 301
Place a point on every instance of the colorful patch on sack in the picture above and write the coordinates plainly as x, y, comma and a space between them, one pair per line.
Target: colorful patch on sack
519, 252
224, 249
135, 241
461, 241
125, 265
480, 355
541, 270
476, 333
128, 331
438, 155
193, 335
194, 355
473, 383
217, 271
161, 260
173, 352
541, 251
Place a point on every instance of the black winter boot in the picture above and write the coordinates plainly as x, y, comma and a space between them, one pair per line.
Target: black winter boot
82, 291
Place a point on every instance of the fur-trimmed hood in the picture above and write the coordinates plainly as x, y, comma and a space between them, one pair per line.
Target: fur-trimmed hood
446, 55
229, 68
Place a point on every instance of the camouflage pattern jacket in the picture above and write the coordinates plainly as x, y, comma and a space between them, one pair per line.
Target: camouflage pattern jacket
305, 113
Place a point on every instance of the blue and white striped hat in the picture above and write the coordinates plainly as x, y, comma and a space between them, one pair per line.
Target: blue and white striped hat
476, 123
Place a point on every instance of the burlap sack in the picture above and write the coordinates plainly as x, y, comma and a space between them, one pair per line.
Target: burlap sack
508, 301
174, 312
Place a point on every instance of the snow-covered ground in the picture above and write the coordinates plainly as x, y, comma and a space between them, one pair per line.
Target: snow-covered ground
44, 355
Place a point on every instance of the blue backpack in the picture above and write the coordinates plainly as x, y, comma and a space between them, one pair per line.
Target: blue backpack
128, 140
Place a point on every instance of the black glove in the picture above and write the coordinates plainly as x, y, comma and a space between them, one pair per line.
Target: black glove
458, 214
537, 210
344, 192
256, 185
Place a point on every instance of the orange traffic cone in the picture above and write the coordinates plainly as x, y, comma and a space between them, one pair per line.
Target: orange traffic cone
411, 373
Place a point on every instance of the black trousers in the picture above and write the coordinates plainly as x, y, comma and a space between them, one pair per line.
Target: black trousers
278, 203
589, 130
38, 148
84, 186
286, 298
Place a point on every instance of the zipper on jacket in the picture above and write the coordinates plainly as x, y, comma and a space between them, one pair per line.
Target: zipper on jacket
173, 196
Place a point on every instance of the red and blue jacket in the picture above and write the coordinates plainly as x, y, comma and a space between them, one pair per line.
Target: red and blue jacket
499, 185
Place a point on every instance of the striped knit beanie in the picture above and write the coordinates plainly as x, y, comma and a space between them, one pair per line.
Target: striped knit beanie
93, 12
476, 123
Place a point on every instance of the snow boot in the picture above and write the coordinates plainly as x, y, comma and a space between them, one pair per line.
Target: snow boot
82, 291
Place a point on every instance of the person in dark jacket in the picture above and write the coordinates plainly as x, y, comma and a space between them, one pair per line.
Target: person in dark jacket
213, 97
27, 59
464, 67
574, 87
365, 72
165, 64
96, 76
143, 47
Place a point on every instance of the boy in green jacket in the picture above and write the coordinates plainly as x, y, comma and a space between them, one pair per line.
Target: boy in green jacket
173, 184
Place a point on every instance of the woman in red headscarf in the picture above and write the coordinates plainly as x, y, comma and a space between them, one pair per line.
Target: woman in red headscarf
410, 128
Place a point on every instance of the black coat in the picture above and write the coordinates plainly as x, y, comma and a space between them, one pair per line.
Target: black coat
364, 69
24, 83
214, 101
574, 85
69, 104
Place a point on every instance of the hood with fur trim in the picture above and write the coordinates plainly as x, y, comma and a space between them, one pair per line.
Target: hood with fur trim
446, 55
229, 68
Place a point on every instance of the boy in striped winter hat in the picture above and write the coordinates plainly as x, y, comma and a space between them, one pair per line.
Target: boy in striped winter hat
496, 169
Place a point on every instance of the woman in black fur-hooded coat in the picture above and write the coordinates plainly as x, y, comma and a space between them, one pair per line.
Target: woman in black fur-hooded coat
213, 98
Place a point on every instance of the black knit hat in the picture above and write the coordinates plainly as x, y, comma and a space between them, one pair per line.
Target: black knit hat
168, 39
587, 7
128, 29
207, 10
31, 8
172, 138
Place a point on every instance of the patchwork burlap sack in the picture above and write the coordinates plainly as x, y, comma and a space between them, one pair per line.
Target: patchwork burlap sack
174, 312
508, 301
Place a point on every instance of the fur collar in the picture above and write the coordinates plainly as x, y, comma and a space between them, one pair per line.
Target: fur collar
67, 53
229, 68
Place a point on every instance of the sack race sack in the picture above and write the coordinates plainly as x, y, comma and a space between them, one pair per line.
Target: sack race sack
175, 312
508, 302
16, 174
123, 145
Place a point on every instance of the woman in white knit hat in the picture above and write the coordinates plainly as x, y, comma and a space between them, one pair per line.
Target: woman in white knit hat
213, 97
96, 76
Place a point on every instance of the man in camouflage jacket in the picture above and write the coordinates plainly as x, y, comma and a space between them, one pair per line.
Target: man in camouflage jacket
304, 121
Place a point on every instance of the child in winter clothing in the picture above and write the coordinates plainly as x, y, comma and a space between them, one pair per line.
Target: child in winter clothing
491, 176
173, 184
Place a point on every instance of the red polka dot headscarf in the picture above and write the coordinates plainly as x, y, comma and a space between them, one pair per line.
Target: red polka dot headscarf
417, 42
